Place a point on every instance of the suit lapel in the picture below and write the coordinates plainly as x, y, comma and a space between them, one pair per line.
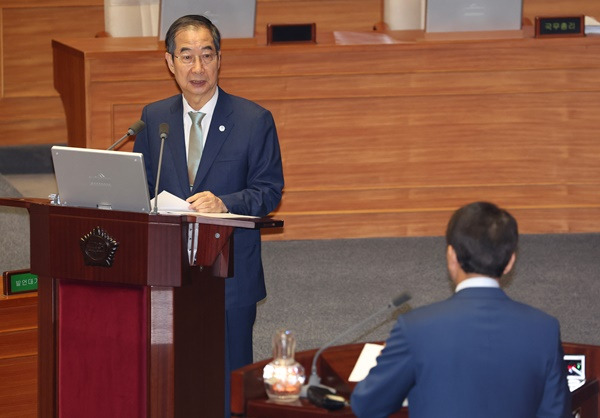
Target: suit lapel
220, 127
175, 145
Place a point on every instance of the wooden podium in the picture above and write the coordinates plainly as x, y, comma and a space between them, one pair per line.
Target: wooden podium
130, 311
249, 399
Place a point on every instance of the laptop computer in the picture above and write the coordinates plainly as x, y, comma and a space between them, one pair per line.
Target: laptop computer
473, 15
234, 18
92, 178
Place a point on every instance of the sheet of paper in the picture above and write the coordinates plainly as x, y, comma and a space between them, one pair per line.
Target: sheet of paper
358, 38
592, 26
207, 215
365, 362
170, 204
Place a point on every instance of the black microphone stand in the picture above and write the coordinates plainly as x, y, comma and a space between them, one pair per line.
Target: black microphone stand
133, 130
164, 131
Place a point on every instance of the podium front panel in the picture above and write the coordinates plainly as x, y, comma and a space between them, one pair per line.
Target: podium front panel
102, 359
131, 310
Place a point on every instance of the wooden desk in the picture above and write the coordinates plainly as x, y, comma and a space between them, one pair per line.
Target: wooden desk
586, 398
18, 354
403, 133
249, 399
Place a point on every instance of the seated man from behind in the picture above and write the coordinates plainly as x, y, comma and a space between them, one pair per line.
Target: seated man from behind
478, 354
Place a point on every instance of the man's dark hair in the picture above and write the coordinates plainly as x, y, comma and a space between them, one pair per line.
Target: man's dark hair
193, 21
484, 238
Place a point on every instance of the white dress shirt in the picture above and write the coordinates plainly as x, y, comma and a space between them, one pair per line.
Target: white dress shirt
480, 281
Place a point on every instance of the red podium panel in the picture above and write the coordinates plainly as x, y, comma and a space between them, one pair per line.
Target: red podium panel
130, 310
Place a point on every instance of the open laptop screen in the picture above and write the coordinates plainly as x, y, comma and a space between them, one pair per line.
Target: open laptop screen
101, 179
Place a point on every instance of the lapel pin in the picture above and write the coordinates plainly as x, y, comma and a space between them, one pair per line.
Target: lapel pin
222, 128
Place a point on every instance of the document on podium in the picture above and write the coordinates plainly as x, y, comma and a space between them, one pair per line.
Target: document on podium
169, 204
366, 361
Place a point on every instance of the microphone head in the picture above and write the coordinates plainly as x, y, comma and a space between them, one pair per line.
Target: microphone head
400, 299
136, 127
163, 130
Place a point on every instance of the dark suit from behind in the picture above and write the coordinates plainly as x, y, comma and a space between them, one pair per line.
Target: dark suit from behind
478, 354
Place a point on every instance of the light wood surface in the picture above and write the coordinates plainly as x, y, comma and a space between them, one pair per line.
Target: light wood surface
401, 134
30, 109
19, 387
18, 355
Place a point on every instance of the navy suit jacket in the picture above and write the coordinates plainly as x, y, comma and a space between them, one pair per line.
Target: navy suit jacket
241, 164
478, 354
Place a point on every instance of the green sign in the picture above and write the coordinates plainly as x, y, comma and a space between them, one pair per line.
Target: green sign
559, 26
23, 282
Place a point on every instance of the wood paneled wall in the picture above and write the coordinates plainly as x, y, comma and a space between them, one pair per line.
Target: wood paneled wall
400, 140
18, 355
388, 139
533, 8
375, 143
30, 109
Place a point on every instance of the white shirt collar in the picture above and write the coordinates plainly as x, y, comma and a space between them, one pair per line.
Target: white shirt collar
480, 281
208, 108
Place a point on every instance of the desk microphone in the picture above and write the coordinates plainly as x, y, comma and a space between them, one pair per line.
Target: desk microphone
314, 379
133, 130
163, 131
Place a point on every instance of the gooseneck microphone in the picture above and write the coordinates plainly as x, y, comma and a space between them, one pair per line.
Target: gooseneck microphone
133, 130
163, 132
314, 379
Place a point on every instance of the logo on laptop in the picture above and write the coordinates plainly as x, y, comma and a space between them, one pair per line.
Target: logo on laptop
100, 179
98, 248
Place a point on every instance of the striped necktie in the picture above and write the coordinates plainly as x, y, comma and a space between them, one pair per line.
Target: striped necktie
195, 146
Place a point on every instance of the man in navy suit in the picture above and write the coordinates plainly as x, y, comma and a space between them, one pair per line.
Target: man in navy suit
239, 168
478, 354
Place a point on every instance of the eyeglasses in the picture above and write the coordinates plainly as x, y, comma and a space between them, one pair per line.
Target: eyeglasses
189, 59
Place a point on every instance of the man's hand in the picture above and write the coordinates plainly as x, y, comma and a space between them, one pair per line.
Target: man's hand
206, 202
